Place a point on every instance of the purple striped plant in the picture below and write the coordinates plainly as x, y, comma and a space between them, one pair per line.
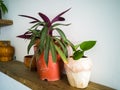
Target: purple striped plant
43, 30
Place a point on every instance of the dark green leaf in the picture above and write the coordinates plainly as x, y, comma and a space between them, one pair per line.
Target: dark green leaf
43, 38
53, 52
46, 51
32, 42
4, 8
77, 55
35, 33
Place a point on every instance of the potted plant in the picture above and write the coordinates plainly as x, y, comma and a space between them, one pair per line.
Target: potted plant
3, 8
51, 47
78, 68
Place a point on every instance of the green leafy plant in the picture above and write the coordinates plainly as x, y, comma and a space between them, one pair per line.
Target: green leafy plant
80, 49
43, 30
3, 7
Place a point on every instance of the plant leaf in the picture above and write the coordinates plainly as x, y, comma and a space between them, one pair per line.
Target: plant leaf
86, 45
37, 20
36, 33
43, 38
45, 18
62, 55
26, 35
37, 25
78, 54
46, 51
4, 8
58, 16
71, 44
61, 19
61, 33
33, 21
61, 44
53, 51
58, 24
32, 42
76, 46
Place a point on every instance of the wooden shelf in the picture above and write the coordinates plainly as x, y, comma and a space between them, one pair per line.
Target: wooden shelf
18, 71
4, 22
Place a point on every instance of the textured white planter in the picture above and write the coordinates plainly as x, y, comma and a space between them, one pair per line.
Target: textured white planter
78, 72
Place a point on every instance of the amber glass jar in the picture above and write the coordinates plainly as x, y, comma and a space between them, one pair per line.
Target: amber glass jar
6, 51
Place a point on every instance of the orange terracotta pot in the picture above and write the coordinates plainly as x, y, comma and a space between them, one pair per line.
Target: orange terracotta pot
50, 72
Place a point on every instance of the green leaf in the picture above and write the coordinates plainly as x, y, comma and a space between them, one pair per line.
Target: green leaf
61, 33
86, 45
65, 49
61, 45
32, 42
58, 24
76, 46
62, 55
71, 44
37, 25
78, 54
53, 51
43, 38
46, 51
3, 8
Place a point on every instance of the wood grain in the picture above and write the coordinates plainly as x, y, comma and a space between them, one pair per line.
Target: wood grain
18, 71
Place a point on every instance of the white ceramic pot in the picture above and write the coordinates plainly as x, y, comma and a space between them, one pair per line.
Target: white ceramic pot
78, 72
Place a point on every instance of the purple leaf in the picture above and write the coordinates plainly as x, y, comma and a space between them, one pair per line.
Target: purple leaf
27, 33
24, 36
30, 18
61, 19
34, 21
58, 16
45, 18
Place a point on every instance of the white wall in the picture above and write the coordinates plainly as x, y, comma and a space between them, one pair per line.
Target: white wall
12, 84
91, 20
